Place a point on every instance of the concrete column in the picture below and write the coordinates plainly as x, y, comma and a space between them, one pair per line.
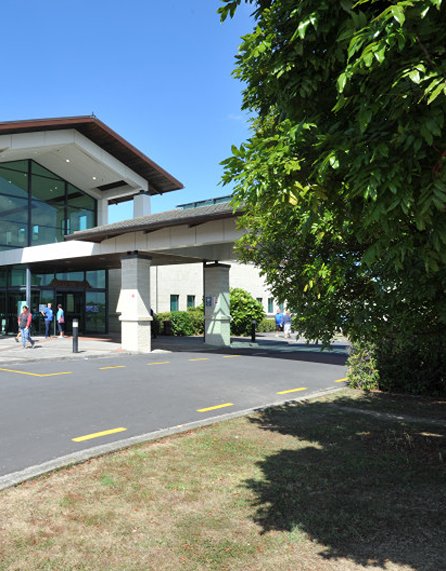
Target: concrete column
141, 204
28, 288
102, 211
216, 304
134, 303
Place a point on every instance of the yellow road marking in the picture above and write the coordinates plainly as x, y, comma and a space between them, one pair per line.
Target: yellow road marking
215, 407
112, 367
341, 380
159, 363
230, 356
200, 359
37, 374
98, 434
291, 391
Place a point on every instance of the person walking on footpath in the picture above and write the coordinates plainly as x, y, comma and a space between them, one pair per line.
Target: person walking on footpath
278, 318
60, 319
287, 324
48, 315
24, 321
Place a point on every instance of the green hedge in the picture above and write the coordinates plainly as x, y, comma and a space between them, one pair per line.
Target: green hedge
181, 323
418, 367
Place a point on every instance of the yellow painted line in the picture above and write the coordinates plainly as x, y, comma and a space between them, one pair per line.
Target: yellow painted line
230, 356
159, 363
37, 374
215, 407
98, 434
112, 367
341, 380
292, 391
200, 359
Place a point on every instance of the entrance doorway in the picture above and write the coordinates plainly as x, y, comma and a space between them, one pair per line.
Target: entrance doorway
73, 304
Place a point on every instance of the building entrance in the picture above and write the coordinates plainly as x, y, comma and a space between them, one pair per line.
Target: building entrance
73, 304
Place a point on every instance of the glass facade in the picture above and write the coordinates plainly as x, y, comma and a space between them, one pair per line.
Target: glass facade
82, 295
38, 207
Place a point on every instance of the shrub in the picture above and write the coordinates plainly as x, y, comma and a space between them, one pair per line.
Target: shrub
362, 370
181, 323
267, 325
197, 316
415, 367
244, 308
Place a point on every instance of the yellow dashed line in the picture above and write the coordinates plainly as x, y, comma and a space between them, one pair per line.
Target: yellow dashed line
159, 363
200, 359
230, 356
37, 374
215, 407
341, 380
98, 434
112, 367
292, 391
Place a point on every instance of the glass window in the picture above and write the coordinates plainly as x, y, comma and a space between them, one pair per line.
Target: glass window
42, 171
13, 205
270, 305
14, 179
96, 279
18, 277
80, 210
174, 302
47, 209
260, 300
3, 278
42, 279
95, 309
190, 301
70, 276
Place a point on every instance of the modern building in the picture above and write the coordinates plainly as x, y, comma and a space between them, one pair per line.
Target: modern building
57, 179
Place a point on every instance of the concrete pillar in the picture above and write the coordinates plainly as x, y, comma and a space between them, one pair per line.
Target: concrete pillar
216, 304
141, 204
102, 211
134, 303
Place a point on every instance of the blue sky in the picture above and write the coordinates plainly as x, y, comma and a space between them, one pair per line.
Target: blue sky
158, 72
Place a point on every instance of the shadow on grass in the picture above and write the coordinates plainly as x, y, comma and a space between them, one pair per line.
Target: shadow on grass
365, 489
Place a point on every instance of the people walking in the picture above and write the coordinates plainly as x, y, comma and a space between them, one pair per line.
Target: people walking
24, 322
60, 319
48, 315
278, 319
287, 324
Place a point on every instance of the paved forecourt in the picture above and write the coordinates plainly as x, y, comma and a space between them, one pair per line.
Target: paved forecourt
75, 408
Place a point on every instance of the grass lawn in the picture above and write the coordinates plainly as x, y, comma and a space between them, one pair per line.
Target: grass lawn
318, 486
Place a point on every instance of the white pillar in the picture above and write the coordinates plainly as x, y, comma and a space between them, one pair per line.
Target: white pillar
102, 211
134, 303
141, 204
217, 316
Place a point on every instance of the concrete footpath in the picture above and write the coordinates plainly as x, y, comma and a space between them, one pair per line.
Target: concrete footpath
91, 347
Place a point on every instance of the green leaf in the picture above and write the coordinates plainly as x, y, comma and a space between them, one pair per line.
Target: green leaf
398, 14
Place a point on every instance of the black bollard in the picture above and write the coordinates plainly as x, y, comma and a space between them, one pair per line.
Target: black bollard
253, 330
75, 335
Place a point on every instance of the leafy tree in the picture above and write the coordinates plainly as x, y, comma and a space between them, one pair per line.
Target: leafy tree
343, 181
244, 308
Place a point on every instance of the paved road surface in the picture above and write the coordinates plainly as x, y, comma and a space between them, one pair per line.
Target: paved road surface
53, 409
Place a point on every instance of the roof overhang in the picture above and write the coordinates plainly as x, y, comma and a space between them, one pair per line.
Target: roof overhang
189, 217
87, 153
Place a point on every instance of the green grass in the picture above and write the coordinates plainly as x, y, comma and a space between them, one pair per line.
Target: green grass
295, 487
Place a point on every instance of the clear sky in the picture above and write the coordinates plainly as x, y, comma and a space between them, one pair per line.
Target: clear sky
158, 72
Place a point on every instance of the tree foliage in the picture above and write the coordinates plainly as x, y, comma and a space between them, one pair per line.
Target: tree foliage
343, 179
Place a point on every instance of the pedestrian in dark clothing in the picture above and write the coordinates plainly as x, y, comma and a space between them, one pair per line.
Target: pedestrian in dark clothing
24, 321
